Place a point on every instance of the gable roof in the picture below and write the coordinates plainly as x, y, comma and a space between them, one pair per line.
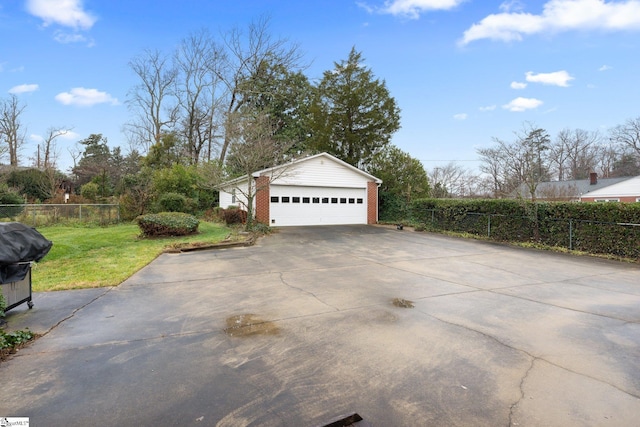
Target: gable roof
625, 188
315, 156
567, 189
300, 161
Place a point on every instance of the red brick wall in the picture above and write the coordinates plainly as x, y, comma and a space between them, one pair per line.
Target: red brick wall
372, 203
623, 199
262, 199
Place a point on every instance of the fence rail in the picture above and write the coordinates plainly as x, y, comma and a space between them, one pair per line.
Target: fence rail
615, 238
48, 214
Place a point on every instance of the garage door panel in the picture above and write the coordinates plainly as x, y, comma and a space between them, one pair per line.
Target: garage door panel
293, 205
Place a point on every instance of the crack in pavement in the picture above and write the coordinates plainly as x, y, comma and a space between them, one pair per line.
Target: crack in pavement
533, 357
284, 282
73, 313
514, 406
500, 291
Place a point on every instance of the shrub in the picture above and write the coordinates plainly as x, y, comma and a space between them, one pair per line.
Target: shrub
214, 214
604, 228
167, 224
172, 202
9, 198
90, 191
234, 215
33, 183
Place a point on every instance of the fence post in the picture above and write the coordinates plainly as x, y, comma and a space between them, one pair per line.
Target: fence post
80, 212
489, 225
432, 216
570, 235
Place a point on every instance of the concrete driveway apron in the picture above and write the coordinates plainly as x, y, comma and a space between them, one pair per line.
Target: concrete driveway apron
302, 328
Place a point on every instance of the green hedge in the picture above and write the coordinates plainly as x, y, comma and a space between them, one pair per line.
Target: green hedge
167, 224
590, 227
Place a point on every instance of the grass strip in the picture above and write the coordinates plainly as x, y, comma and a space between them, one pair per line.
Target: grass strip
91, 257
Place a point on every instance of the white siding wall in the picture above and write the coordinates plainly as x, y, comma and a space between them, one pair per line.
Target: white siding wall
226, 197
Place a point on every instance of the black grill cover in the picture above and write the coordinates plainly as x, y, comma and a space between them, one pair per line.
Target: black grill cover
19, 244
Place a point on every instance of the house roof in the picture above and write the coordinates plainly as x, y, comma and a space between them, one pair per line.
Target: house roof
327, 156
571, 188
626, 187
315, 156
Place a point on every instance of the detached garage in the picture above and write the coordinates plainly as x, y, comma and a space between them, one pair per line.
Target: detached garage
316, 190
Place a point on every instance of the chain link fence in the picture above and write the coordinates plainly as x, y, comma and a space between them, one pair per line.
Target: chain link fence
615, 238
39, 215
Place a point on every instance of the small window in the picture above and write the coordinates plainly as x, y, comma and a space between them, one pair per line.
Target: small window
334, 200
285, 199
352, 201
233, 196
296, 200
343, 200
306, 200
325, 200
316, 200
359, 201
275, 199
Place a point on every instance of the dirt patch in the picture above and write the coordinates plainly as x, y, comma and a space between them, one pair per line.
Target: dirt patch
402, 303
245, 325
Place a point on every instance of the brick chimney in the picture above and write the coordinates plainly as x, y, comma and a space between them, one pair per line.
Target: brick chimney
593, 178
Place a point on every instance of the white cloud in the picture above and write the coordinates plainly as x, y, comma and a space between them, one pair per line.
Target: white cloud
461, 116
604, 68
511, 5
83, 97
68, 13
487, 108
522, 104
518, 85
68, 135
557, 16
64, 38
25, 88
412, 8
557, 78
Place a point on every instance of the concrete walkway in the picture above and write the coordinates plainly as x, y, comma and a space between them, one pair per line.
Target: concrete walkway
302, 328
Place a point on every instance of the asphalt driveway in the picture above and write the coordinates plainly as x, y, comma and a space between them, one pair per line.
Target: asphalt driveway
302, 328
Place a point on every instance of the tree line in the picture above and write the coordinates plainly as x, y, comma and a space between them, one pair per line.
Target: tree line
219, 107
216, 108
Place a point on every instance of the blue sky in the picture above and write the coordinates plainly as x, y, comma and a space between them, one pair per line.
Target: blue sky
462, 71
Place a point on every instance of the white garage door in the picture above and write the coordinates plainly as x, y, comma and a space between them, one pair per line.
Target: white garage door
293, 205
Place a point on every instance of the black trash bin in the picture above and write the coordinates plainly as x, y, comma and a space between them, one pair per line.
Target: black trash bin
20, 245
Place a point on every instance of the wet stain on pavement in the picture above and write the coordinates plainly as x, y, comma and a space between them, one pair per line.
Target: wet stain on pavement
245, 325
402, 303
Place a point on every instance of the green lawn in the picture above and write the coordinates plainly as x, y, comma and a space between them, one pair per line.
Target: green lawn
90, 257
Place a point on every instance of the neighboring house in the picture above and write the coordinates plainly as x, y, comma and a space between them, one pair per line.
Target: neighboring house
315, 190
627, 190
566, 190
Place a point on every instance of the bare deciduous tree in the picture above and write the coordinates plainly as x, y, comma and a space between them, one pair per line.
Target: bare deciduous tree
11, 132
247, 55
198, 60
522, 161
574, 153
252, 148
452, 180
151, 100
49, 149
628, 134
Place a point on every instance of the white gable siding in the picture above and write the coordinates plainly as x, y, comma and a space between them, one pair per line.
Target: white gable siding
321, 172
